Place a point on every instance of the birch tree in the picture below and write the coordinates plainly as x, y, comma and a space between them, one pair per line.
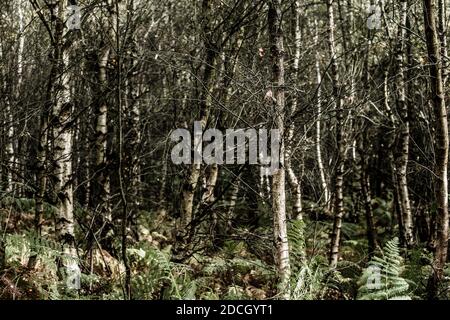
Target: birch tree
293, 180
101, 185
402, 104
278, 178
340, 157
441, 143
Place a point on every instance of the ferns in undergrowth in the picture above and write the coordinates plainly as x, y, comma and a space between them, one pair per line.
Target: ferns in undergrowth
308, 282
158, 277
382, 279
418, 269
42, 281
306, 274
237, 265
297, 245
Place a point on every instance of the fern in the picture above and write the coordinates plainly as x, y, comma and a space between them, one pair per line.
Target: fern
43, 279
153, 266
157, 276
307, 283
296, 244
235, 293
306, 274
382, 280
217, 265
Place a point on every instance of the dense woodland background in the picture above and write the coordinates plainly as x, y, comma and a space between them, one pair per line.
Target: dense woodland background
357, 210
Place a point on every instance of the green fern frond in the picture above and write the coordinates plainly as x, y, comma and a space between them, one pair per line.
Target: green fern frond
382, 280
297, 245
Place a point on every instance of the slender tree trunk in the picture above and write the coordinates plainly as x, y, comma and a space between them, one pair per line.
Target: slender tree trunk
187, 196
19, 163
441, 145
264, 185
210, 184
294, 181
339, 178
9, 132
9, 147
85, 161
318, 136
208, 198
132, 106
135, 140
403, 143
347, 39
367, 197
231, 203
115, 21
62, 153
100, 194
162, 199
351, 75
41, 159
393, 166
442, 30
364, 167
278, 178
101, 128
187, 199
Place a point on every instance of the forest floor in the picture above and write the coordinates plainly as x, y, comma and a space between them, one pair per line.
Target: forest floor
240, 267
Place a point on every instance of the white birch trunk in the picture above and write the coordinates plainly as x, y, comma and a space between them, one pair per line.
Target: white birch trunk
278, 178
